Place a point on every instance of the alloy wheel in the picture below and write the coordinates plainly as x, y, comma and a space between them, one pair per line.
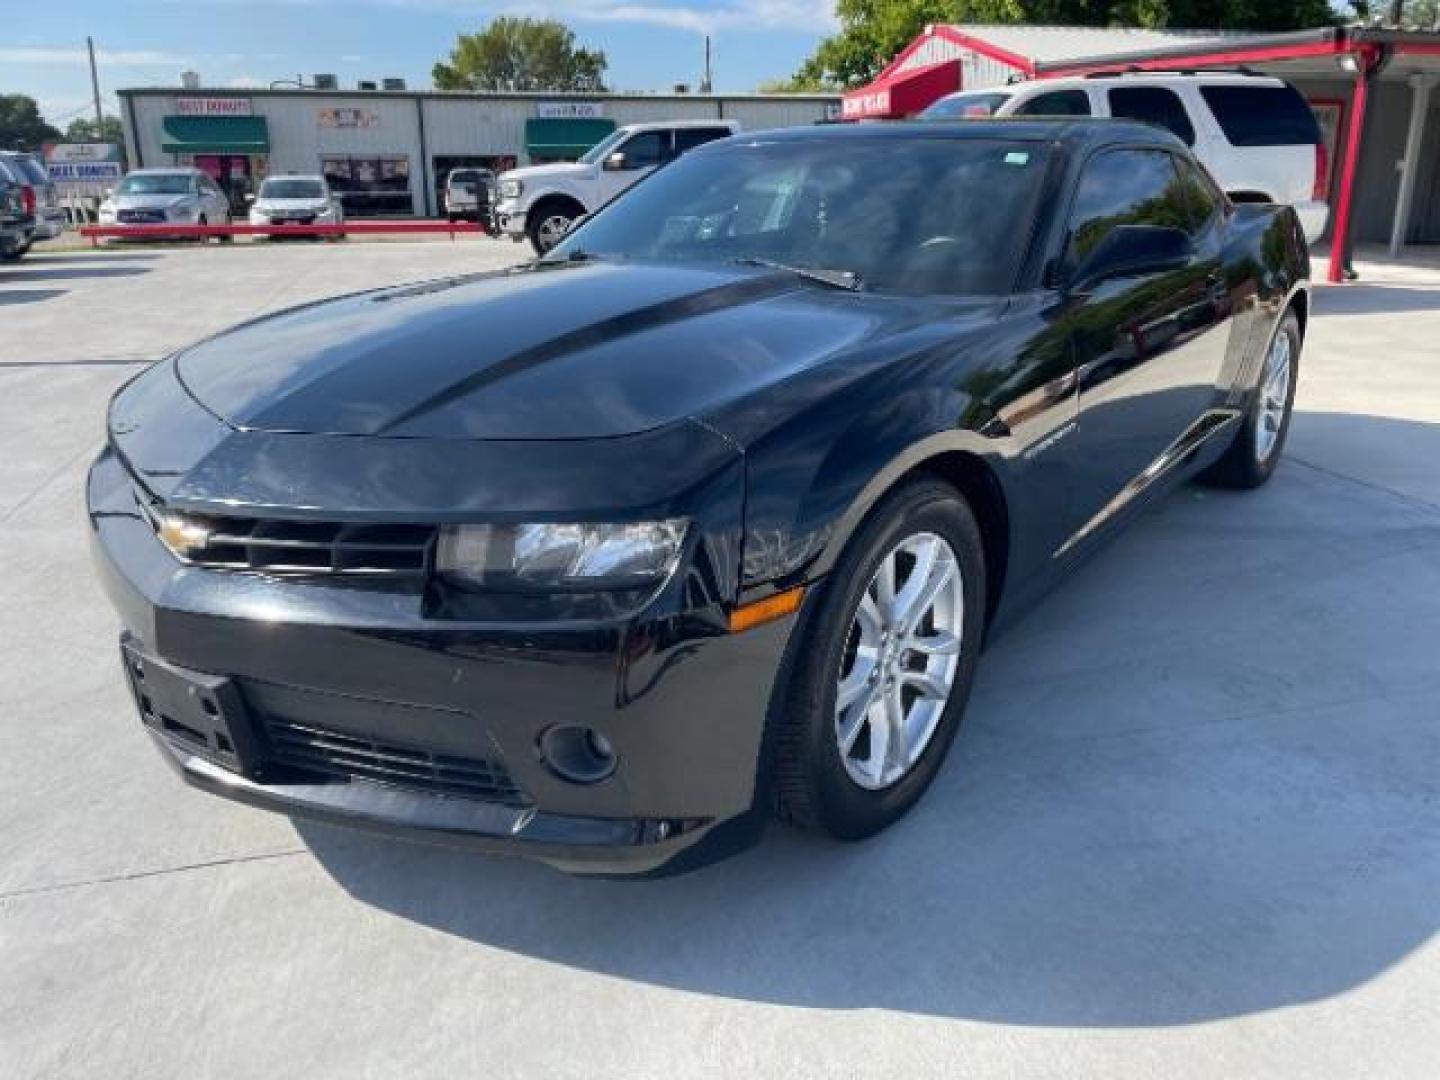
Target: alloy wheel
552, 230
902, 654
1274, 397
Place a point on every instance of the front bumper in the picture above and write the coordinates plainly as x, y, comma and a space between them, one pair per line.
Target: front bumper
510, 218
683, 702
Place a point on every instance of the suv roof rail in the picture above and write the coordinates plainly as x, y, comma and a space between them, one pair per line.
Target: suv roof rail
1135, 69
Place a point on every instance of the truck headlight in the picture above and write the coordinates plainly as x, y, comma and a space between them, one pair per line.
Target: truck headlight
511, 189
561, 557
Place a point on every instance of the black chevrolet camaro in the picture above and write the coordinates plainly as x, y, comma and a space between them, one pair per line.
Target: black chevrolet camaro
703, 517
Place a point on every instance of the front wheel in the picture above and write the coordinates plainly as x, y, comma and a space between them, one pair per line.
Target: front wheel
1251, 458
547, 227
886, 666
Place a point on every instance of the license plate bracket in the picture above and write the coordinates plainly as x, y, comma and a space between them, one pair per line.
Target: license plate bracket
202, 714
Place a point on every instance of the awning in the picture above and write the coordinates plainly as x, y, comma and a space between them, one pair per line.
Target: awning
564, 138
902, 93
216, 135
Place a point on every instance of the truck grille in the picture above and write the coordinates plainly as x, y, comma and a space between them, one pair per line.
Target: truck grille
292, 547
333, 753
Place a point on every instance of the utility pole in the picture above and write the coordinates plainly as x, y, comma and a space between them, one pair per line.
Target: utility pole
95, 89
708, 86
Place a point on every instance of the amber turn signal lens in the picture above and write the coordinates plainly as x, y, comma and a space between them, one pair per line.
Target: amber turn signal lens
771, 608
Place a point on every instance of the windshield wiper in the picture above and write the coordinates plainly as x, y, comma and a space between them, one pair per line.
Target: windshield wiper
836, 279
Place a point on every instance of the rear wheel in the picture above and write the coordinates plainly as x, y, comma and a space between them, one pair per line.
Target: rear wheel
886, 667
1251, 458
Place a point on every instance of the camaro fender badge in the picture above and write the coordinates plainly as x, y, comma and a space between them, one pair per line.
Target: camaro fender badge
1050, 440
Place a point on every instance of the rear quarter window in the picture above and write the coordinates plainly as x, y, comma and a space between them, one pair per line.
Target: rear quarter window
1158, 105
1262, 115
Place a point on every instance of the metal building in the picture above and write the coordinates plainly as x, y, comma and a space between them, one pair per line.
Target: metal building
387, 152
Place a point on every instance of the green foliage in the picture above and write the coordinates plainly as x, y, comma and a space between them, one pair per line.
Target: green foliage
21, 125
521, 55
85, 130
872, 32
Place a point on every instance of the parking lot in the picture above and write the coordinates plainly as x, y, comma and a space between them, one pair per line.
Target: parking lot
1191, 827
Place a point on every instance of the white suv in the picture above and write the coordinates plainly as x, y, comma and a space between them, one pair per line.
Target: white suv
1255, 134
541, 202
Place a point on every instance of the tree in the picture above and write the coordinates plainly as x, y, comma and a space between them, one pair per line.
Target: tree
873, 31
82, 130
21, 125
521, 55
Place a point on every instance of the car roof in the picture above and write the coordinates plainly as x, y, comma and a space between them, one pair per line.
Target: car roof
1076, 131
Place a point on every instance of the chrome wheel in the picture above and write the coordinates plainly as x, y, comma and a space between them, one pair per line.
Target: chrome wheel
1274, 397
902, 654
552, 230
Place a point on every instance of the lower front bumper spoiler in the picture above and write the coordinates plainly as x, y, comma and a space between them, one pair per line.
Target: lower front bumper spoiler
577, 845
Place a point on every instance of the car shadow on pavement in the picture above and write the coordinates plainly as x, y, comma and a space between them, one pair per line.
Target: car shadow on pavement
28, 296
45, 258
39, 272
1197, 782
1360, 298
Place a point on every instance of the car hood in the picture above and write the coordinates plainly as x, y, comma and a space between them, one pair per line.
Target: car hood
553, 351
560, 170
148, 202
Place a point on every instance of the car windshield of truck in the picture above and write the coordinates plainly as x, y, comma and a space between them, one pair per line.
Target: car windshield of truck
292, 189
905, 214
602, 149
155, 184
965, 106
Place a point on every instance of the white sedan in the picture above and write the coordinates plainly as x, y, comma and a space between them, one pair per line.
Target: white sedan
296, 200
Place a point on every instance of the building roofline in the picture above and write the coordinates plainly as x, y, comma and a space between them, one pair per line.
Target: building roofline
452, 95
1294, 45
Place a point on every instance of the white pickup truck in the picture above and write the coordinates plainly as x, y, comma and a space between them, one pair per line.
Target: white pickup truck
541, 202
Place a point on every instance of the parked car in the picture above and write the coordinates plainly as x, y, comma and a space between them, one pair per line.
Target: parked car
1256, 134
38, 196
296, 200
705, 514
163, 196
469, 195
17, 218
542, 202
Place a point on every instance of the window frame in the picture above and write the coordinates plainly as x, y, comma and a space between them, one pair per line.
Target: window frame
666, 138
1070, 91
1061, 260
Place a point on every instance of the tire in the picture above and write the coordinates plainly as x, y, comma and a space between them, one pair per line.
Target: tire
543, 228
1250, 459
817, 785
228, 238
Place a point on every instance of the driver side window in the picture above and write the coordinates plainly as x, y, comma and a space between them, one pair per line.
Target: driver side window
1124, 187
646, 149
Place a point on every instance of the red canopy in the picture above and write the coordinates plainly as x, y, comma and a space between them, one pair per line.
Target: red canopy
903, 93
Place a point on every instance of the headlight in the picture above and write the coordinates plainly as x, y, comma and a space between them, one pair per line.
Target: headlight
576, 558
181, 212
511, 189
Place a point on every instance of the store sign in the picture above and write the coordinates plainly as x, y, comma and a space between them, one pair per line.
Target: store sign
347, 118
569, 110
84, 172
88, 151
212, 106
871, 103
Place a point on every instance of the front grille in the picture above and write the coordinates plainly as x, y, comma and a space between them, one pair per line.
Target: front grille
351, 757
141, 217
292, 547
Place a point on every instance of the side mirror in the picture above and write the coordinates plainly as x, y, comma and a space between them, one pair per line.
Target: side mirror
616, 162
1131, 250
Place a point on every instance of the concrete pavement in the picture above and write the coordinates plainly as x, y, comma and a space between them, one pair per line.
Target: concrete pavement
1191, 828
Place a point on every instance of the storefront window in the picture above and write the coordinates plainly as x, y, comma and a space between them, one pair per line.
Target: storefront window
370, 186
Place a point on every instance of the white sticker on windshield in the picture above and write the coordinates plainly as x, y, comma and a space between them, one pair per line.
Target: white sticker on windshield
1017, 157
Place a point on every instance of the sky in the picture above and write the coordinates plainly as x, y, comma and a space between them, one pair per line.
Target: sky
651, 44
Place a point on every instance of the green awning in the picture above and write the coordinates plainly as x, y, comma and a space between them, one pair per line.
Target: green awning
568, 138
216, 135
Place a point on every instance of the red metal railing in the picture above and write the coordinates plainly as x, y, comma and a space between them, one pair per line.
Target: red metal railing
350, 228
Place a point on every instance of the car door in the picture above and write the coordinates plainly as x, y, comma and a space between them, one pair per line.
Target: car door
1147, 347
636, 157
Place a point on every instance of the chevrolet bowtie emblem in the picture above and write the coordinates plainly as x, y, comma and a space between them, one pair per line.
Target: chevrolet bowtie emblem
182, 536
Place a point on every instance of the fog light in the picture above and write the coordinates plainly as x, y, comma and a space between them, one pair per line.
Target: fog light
576, 754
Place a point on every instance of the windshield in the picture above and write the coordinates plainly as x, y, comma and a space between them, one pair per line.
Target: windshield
292, 188
32, 169
965, 106
603, 147
903, 214
155, 184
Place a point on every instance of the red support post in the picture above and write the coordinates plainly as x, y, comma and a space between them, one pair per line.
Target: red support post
1345, 196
